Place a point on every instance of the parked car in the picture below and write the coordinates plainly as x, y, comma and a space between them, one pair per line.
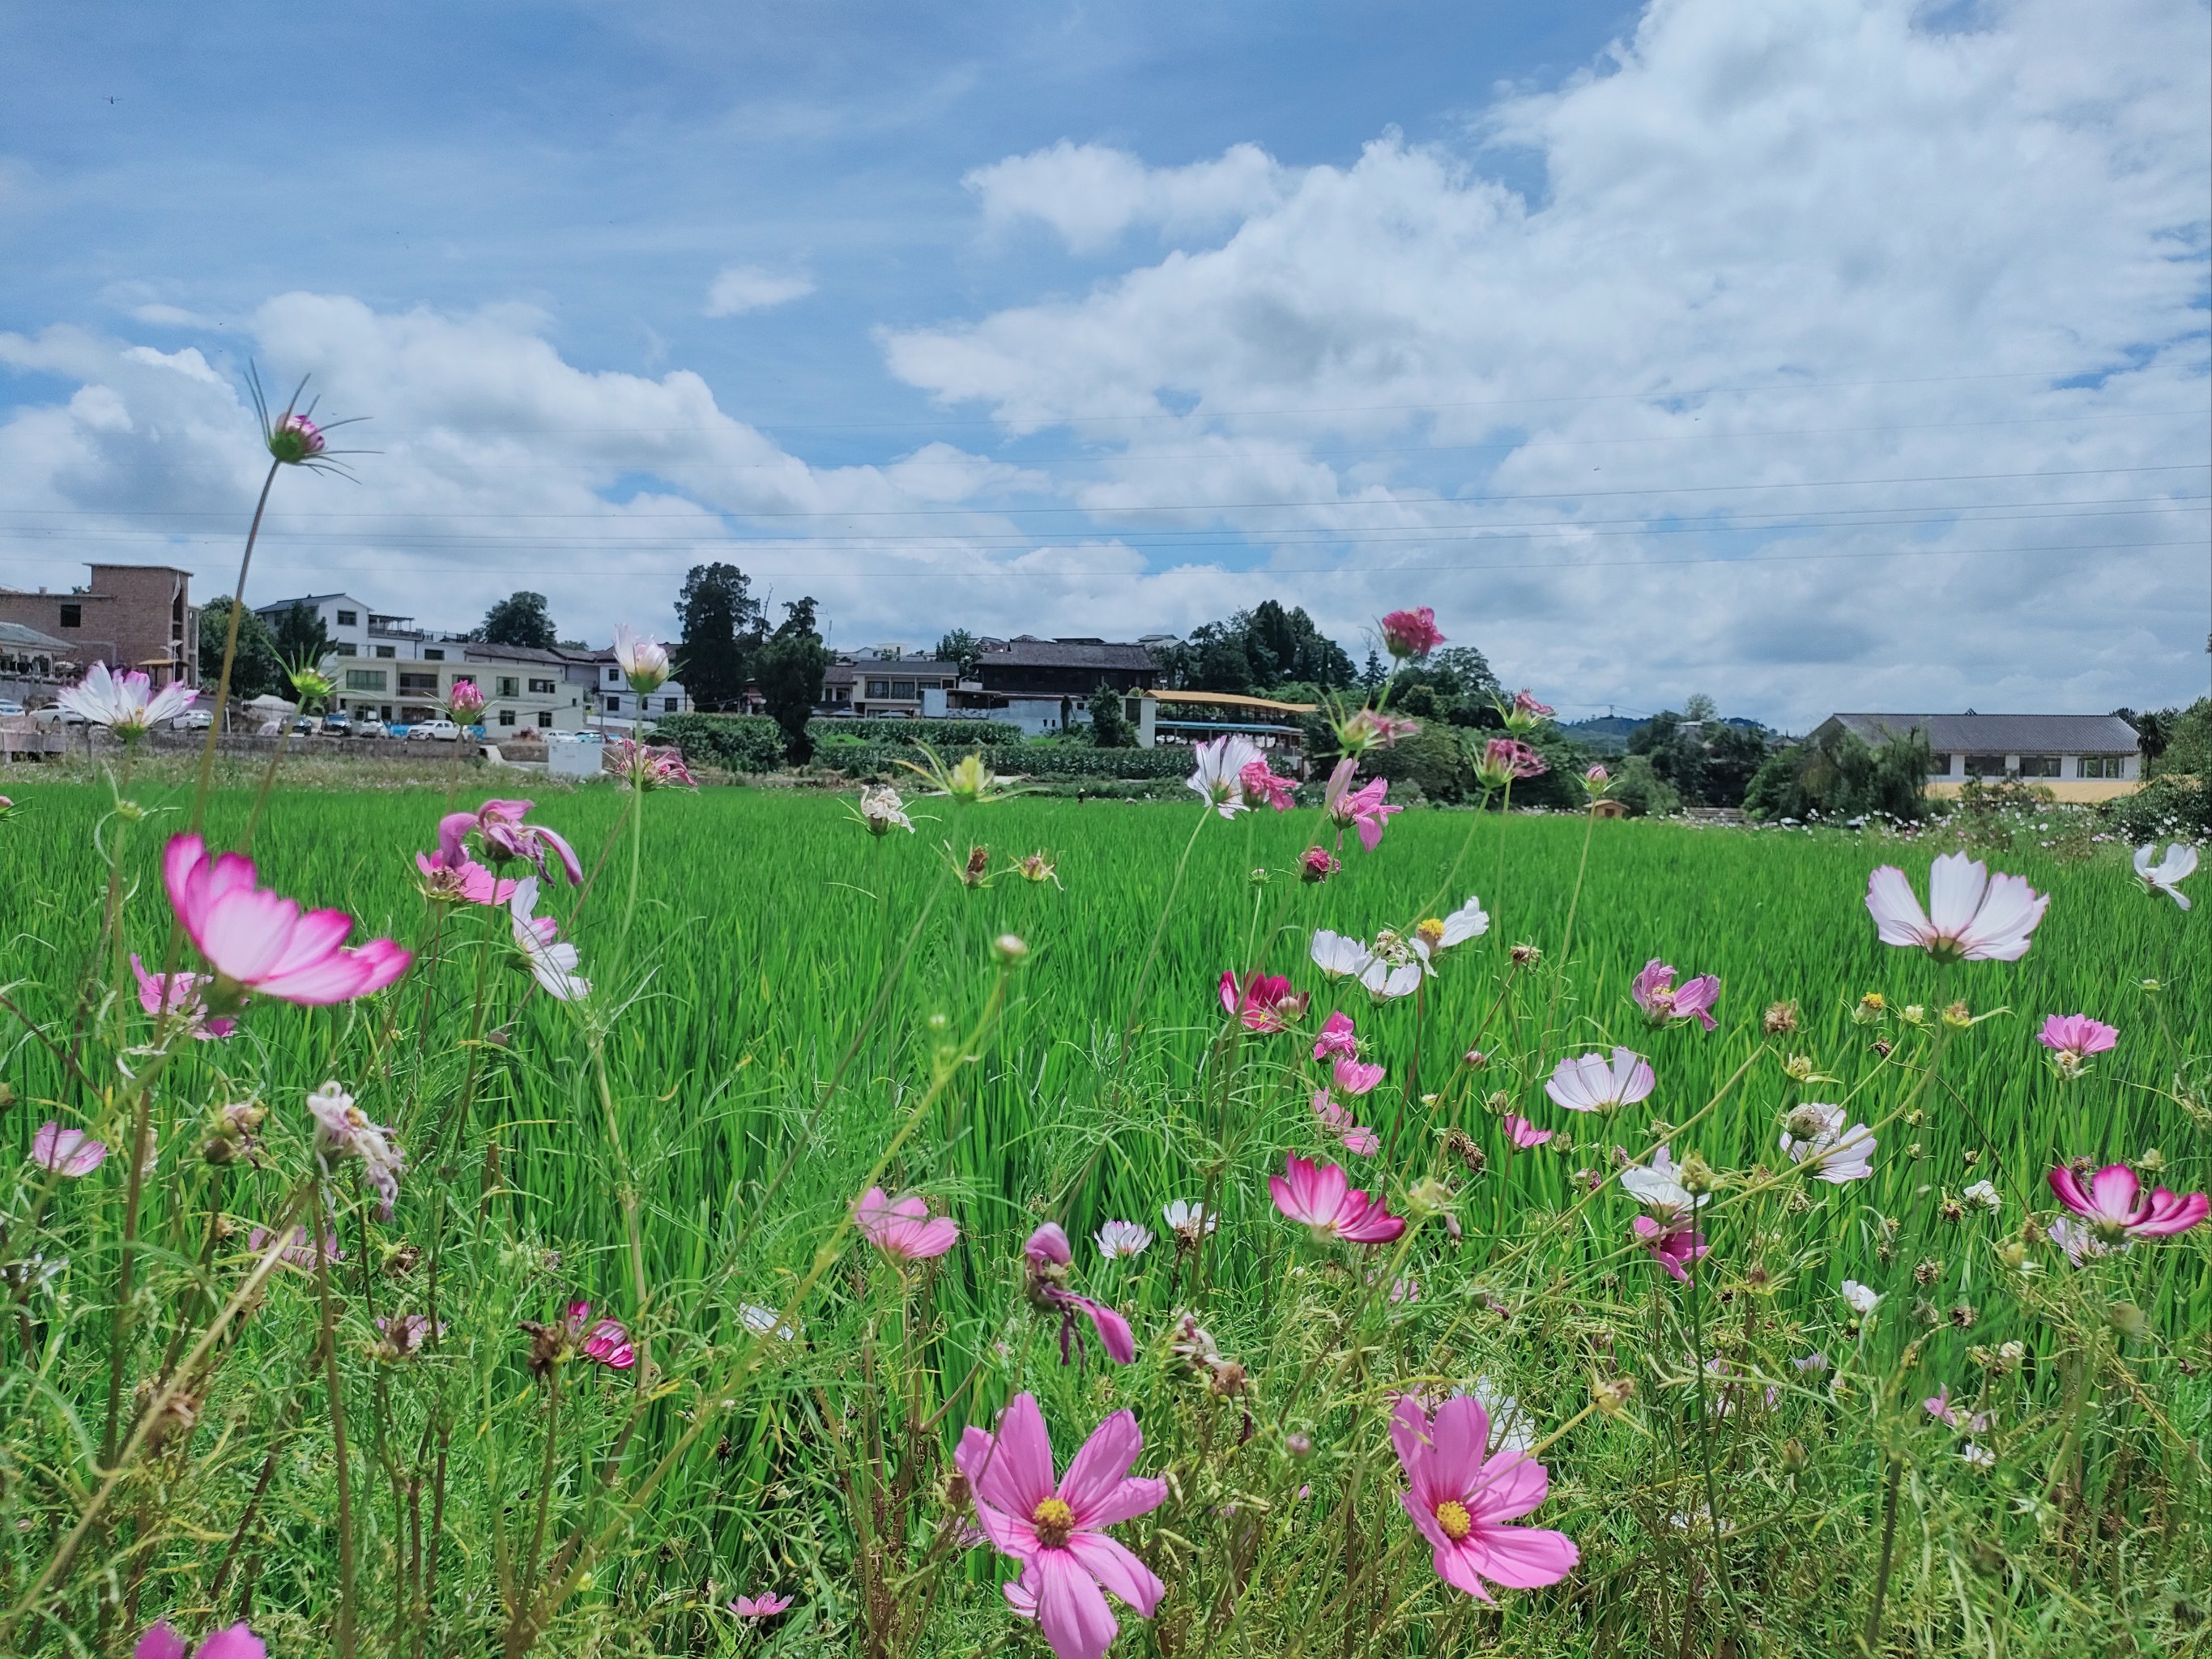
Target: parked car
55, 714
193, 720
9, 705
368, 725
444, 729
339, 725
303, 725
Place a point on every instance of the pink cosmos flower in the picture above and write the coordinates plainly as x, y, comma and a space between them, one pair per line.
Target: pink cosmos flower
1663, 1002
1058, 1531
1938, 1406
1506, 760
1370, 728
258, 941
1598, 779
181, 996
2077, 1037
1587, 1082
1673, 1243
642, 659
1337, 1037
1462, 1499
498, 825
1363, 808
1356, 1078
1321, 1197
236, 1642
1049, 1258
468, 882
1262, 787
603, 1340
69, 1153
1358, 1138
1407, 633
1318, 864
766, 1605
125, 703
905, 1231
642, 765
465, 700
1972, 915
1523, 1133
1264, 1002
2114, 1205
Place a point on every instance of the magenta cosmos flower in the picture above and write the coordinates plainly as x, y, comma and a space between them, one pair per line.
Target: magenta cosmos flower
1663, 1001
1412, 633
465, 700
69, 1153
236, 1642
1462, 1499
1324, 1199
1355, 1076
604, 1340
466, 882
1264, 1002
1363, 808
1049, 1258
2116, 1207
1505, 759
2074, 1037
1675, 1244
764, 1606
1338, 1036
1589, 1083
1057, 1532
257, 940
1972, 915
1523, 1133
1262, 787
181, 994
904, 1230
498, 826
1318, 864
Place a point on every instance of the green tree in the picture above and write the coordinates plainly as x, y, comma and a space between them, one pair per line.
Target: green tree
519, 619
721, 627
1840, 777
959, 646
299, 635
1109, 726
1643, 791
788, 670
1255, 651
257, 669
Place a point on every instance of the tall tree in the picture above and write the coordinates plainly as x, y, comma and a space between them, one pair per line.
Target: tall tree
1256, 650
958, 647
257, 669
721, 625
1109, 726
789, 668
301, 640
519, 619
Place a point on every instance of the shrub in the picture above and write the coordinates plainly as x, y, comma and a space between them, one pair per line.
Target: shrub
2166, 808
736, 743
1643, 791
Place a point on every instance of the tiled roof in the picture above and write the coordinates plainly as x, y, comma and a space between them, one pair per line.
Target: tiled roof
1032, 653
17, 637
2002, 734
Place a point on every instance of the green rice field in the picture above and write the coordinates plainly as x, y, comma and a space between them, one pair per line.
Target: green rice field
786, 1010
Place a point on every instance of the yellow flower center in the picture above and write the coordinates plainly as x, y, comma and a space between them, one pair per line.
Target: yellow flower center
1431, 933
1054, 1521
1454, 1520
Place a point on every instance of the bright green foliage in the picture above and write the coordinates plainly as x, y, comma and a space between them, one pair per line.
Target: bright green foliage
256, 669
1109, 726
793, 1000
1838, 776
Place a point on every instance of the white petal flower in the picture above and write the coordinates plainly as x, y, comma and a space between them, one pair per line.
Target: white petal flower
1122, 1238
2169, 872
1860, 1298
1336, 956
1972, 915
126, 703
1218, 780
553, 963
1186, 1216
1659, 1185
1814, 1134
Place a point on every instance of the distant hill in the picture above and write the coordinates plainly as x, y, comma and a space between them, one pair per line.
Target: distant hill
1605, 734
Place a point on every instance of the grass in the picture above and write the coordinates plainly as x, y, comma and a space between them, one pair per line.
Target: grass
789, 1000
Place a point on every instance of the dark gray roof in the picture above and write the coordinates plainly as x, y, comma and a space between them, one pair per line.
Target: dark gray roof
1030, 652
17, 637
2002, 734
304, 598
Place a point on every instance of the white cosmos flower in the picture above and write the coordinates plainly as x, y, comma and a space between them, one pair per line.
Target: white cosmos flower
1587, 1082
554, 965
644, 660
1658, 1185
128, 704
1470, 921
1814, 1134
1985, 1194
1185, 1215
2169, 872
1972, 915
1980, 1457
765, 1321
1512, 1431
1860, 1298
1391, 967
1218, 780
1121, 1238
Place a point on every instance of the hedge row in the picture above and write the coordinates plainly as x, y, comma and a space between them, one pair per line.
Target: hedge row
1044, 761
736, 742
753, 742
962, 735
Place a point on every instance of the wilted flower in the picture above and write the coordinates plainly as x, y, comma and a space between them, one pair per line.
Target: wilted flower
257, 940
1363, 808
883, 811
344, 1131
1589, 1083
1037, 868
1050, 1257
1318, 864
1779, 1019
68, 1152
643, 766
1370, 728
467, 883
2169, 872
1462, 1497
1123, 1238
1972, 916
1675, 1245
552, 961
125, 703
1261, 788
1813, 1135
1058, 1533
1218, 777
642, 660
498, 826
2116, 1207
1321, 1197
904, 1230
1411, 634
1503, 760
604, 1341
405, 1333
1663, 1002
1524, 712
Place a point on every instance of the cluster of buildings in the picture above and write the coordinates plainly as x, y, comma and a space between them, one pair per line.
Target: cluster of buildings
2078, 757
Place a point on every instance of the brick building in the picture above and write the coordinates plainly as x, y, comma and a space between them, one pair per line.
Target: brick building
129, 615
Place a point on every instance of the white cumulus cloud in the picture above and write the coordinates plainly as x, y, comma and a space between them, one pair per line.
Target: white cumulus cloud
739, 288
1090, 194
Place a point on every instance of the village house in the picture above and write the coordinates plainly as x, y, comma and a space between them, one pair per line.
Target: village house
2078, 757
128, 616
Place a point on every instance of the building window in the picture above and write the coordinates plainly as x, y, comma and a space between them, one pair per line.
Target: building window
422, 685
349, 619
902, 688
540, 688
72, 616
668, 704
614, 705
879, 688
506, 717
2039, 766
434, 655
1985, 765
388, 651
545, 720
614, 676
364, 679
2104, 766
509, 686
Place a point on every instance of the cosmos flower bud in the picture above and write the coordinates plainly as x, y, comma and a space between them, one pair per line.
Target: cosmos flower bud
294, 439
1318, 864
464, 702
1011, 949
1299, 1444
1696, 1175
1795, 1458
1428, 1196
1610, 1394
1958, 1016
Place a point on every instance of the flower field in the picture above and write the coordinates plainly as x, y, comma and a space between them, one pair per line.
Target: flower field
1461, 1289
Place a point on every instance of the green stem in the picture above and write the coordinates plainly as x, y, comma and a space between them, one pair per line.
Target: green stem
329, 1346
229, 656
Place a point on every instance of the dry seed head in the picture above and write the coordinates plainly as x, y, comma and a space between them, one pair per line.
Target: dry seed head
1779, 1019
1927, 1271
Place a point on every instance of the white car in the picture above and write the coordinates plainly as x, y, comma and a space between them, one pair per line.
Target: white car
444, 729
369, 727
55, 714
193, 720
9, 705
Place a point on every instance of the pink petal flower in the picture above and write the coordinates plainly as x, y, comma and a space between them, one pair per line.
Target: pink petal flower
766, 1605
1673, 1243
1355, 1078
1972, 916
1523, 1133
235, 1641
905, 1230
2114, 1205
68, 1152
498, 826
1261, 788
1407, 633
1321, 1197
258, 941
604, 1338
1462, 1500
2077, 1034
1589, 1083
1263, 1002
1337, 1038
467, 882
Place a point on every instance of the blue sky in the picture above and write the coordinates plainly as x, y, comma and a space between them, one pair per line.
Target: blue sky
1810, 353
